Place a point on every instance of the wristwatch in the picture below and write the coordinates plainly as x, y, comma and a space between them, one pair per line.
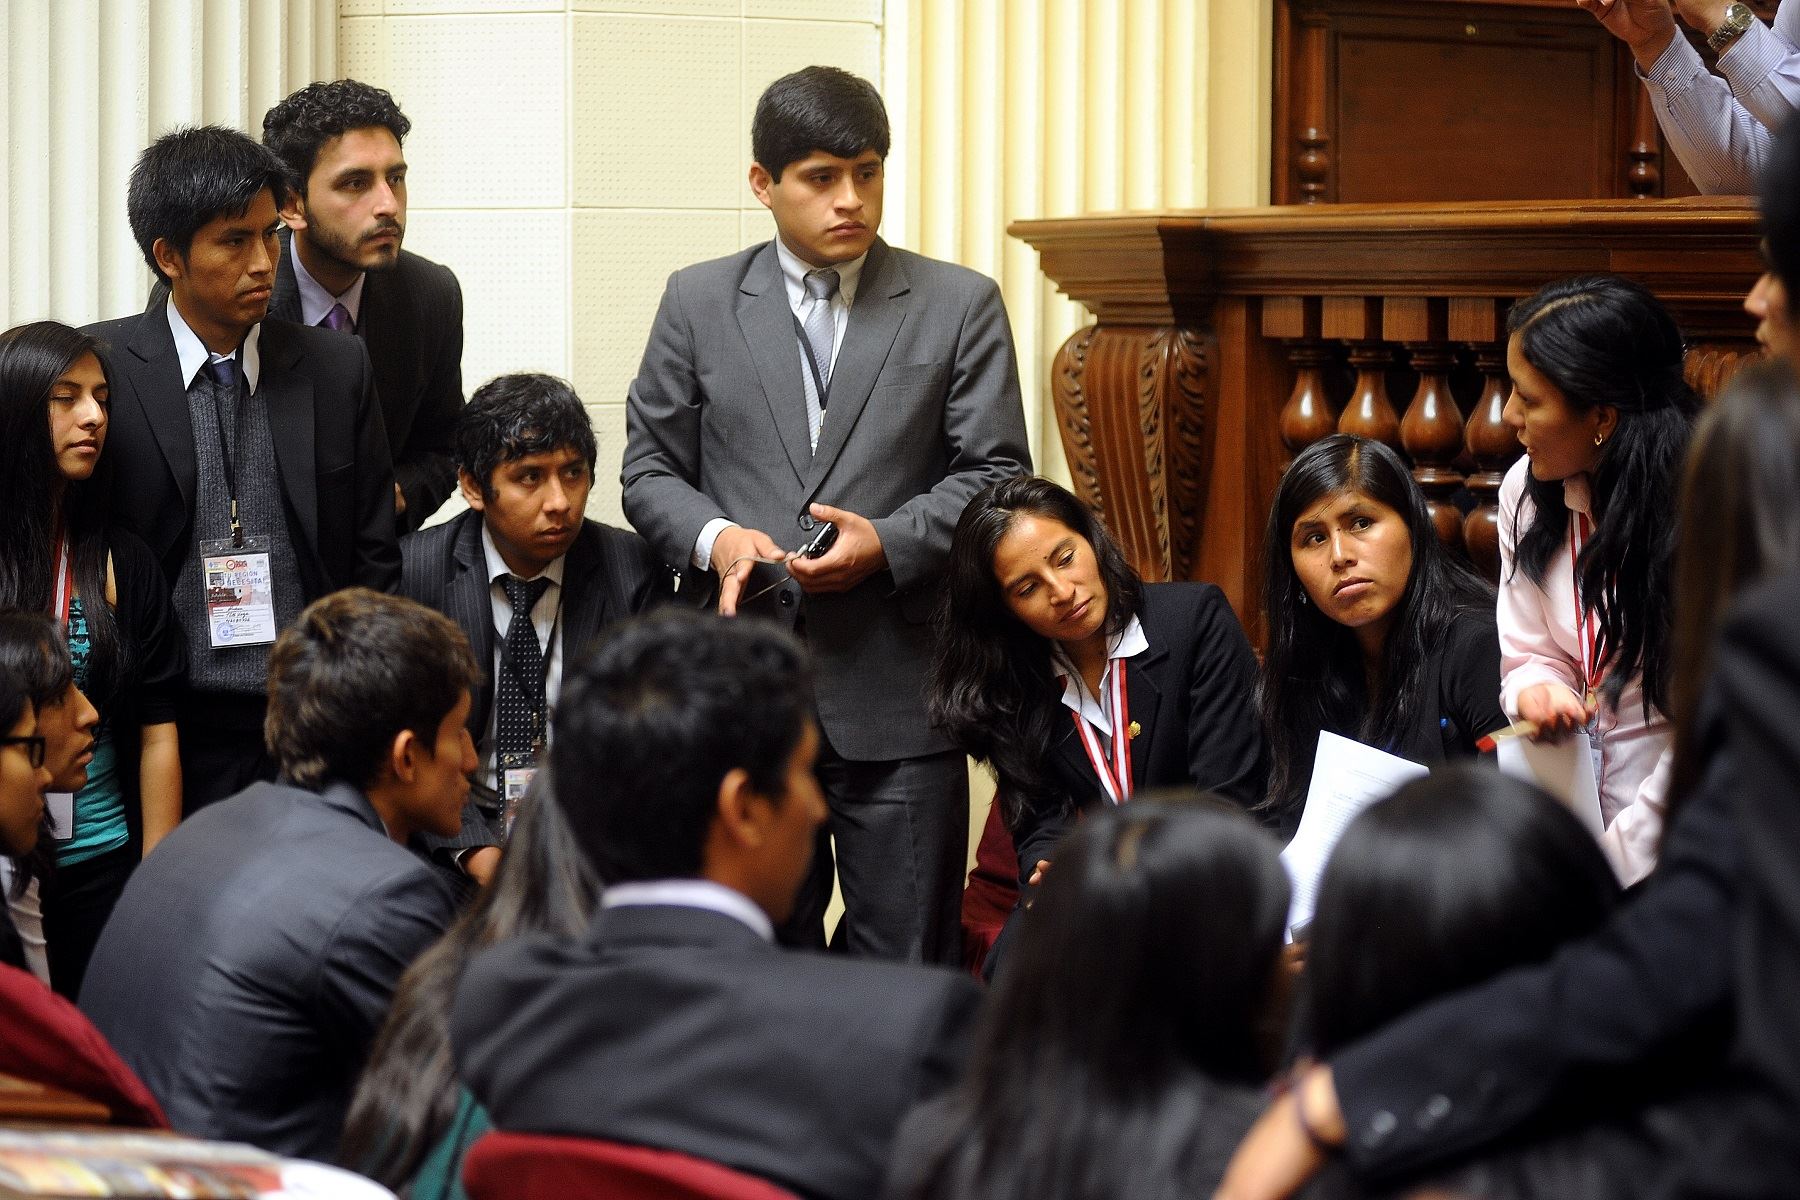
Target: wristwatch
1737, 20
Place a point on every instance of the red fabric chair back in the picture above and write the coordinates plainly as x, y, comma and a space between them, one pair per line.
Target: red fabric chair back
529, 1166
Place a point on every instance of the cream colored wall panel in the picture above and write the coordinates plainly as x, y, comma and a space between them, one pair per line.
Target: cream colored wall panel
358, 8
360, 53
488, 104
663, 8
514, 270
865, 11
621, 262
655, 122
74, 164
460, 8
774, 48
609, 438
757, 225
28, 145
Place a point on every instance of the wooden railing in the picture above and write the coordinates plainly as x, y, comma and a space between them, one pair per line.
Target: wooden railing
1227, 341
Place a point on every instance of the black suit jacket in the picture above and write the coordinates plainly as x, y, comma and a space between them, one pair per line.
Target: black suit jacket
411, 319
609, 574
1193, 694
248, 964
331, 453
682, 1029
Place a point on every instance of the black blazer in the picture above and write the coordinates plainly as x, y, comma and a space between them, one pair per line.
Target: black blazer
1193, 693
411, 320
609, 575
251, 959
1640, 1005
682, 1029
331, 453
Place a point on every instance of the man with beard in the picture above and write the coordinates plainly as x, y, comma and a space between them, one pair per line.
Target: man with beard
342, 267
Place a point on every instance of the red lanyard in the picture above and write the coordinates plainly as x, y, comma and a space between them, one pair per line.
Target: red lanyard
1587, 624
1115, 775
65, 582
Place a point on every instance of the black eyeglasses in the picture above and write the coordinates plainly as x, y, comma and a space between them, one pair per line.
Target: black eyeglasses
34, 748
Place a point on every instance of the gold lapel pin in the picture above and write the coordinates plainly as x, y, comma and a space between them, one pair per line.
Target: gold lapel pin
1133, 729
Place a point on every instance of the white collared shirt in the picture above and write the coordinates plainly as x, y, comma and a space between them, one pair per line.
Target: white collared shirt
315, 301
544, 619
691, 893
1097, 710
192, 353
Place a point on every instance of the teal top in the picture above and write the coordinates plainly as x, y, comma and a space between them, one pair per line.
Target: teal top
100, 806
440, 1174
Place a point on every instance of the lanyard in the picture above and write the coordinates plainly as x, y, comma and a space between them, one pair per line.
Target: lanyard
237, 427
1115, 775
1587, 624
65, 582
812, 364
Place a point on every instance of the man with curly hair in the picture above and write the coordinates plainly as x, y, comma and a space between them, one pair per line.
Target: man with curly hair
342, 266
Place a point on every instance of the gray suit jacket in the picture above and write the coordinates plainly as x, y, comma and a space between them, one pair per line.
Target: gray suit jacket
924, 412
250, 960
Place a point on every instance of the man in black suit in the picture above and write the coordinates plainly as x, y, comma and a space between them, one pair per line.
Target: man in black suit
525, 462
248, 452
342, 267
684, 764
251, 959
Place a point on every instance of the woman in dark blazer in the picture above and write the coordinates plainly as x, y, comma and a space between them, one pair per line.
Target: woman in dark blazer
1375, 632
1076, 682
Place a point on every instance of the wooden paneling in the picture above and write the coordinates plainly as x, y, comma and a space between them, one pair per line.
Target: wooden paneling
1402, 100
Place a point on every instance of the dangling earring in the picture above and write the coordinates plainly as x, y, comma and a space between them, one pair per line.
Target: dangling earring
1302, 599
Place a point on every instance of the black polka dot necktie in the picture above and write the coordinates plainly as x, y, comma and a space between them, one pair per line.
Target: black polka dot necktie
519, 700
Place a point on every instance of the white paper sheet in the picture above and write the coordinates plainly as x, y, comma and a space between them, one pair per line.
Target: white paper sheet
1565, 769
1347, 777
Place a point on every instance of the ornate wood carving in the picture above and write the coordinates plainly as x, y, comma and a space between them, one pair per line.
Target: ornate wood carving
1493, 445
1068, 393
1710, 366
1432, 435
1370, 413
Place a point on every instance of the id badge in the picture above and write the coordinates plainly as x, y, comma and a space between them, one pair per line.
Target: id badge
240, 592
60, 808
516, 773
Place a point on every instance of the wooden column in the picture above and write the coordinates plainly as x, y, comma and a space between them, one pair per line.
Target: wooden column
1309, 415
1432, 430
1489, 439
1312, 137
1357, 321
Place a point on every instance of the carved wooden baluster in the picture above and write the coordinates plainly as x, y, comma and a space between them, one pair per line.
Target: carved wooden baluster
1490, 441
1432, 430
1308, 414
1357, 321
1643, 176
1312, 166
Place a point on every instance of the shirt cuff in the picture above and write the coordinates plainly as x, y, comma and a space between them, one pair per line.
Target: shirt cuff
703, 545
1678, 64
1751, 58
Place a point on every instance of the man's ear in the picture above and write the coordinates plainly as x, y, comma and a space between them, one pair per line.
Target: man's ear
741, 812
403, 756
171, 263
293, 210
760, 183
471, 490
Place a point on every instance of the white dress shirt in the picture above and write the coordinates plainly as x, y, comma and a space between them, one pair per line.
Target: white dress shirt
192, 353
691, 893
544, 619
1097, 710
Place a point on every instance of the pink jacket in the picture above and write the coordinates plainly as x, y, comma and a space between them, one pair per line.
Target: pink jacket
1539, 643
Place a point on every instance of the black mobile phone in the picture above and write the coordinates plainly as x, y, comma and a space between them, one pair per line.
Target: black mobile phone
823, 539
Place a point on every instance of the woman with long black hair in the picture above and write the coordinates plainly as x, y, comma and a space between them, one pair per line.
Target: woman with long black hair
1077, 682
1587, 538
59, 554
1375, 632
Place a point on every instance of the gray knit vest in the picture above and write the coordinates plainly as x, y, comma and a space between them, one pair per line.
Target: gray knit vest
239, 669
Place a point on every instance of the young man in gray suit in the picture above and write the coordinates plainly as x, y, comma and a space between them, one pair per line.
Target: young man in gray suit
683, 760
247, 966
827, 379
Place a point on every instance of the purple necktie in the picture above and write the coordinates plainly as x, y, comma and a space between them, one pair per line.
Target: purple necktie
338, 319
